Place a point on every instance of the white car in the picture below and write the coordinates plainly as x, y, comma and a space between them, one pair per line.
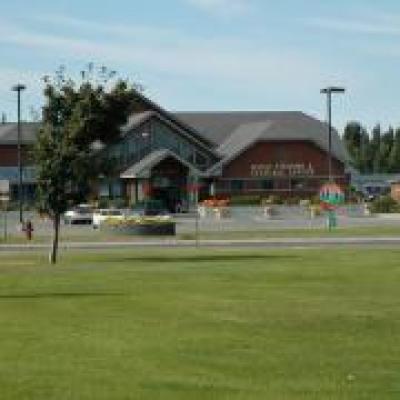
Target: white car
100, 216
81, 214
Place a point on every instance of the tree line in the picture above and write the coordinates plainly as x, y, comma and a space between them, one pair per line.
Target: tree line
373, 152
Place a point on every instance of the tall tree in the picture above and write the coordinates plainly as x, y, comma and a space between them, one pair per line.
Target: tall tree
357, 142
76, 115
387, 141
394, 156
375, 148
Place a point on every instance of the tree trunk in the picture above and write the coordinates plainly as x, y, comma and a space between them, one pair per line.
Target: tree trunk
56, 230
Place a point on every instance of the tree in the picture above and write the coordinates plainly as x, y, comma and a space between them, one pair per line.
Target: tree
394, 156
375, 146
357, 142
75, 116
386, 148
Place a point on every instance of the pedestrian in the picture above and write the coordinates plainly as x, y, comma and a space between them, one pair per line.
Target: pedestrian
28, 229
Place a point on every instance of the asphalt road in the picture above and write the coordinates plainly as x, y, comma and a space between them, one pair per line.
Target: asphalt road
250, 219
265, 243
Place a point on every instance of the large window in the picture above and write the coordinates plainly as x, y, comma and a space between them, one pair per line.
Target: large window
166, 138
158, 136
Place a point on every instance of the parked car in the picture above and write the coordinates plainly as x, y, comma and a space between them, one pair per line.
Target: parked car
149, 208
81, 214
100, 216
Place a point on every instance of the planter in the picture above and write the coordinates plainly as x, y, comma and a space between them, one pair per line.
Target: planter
148, 229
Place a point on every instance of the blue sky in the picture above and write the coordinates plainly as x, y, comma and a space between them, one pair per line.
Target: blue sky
215, 54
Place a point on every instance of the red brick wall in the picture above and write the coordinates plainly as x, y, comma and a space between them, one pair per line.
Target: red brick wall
9, 156
292, 152
284, 185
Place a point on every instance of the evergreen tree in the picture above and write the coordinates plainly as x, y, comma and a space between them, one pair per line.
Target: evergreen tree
375, 147
387, 140
394, 156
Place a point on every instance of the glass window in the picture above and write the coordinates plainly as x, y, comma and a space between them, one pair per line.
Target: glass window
237, 185
201, 161
267, 184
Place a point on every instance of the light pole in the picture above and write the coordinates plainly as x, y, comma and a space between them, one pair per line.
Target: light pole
328, 91
19, 88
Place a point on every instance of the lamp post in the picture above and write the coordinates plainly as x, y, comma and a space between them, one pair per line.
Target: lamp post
328, 91
19, 88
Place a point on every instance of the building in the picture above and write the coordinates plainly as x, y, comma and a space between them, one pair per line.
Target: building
175, 157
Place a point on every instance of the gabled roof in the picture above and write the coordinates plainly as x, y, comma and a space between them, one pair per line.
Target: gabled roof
233, 131
135, 120
142, 168
174, 118
9, 133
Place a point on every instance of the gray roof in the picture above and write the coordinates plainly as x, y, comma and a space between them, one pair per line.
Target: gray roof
233, 132
135, 120
9, 133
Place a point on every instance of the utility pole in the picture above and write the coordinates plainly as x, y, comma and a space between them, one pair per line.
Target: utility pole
19, 88
328, 91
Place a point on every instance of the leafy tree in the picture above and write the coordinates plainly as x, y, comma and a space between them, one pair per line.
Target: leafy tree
77, 115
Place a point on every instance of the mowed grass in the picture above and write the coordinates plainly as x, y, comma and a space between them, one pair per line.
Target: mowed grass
201, 324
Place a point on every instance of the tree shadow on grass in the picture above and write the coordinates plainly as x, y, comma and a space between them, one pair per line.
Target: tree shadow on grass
66, 295
198, 258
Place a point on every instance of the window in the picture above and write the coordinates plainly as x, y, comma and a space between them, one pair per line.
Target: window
201, 161
267, 184
237, 185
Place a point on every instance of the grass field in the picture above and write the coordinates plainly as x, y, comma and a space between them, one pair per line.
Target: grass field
201, 324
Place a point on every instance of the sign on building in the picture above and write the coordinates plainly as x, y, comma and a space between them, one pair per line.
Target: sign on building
281, 169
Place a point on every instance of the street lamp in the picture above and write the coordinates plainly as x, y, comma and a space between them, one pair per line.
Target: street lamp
19, 88
328, 91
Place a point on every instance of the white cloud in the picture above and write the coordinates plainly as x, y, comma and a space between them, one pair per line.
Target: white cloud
224, 8
199, 69
222, 59
379, 25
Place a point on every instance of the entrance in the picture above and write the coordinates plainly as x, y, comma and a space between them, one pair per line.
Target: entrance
168, 182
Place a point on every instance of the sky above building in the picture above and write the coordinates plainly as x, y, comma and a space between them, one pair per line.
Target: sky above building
214, 54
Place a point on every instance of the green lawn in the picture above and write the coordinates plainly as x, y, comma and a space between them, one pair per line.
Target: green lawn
201, 324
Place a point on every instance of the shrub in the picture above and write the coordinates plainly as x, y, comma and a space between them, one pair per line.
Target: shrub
245, 200
384, 204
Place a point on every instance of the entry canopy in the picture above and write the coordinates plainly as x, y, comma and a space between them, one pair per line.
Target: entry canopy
142, 169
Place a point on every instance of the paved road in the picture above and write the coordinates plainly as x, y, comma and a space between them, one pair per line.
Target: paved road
244, 219
265, 243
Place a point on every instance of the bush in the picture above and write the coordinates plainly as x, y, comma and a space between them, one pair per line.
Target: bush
272, 199
384, 204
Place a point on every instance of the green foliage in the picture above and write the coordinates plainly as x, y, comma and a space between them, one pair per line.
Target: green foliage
245, 200
373, 153
75, 116
385, 204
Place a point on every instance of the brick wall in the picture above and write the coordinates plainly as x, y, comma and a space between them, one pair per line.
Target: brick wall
292, 152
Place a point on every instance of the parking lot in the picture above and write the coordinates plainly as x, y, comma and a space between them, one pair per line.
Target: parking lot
239, 219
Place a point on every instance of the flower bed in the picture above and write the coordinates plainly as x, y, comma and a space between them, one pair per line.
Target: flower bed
141, 226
